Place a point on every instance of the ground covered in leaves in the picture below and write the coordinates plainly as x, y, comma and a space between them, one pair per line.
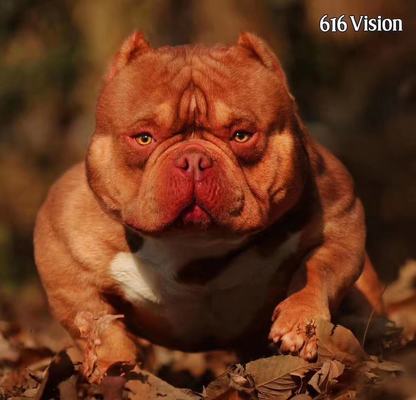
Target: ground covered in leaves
38, 361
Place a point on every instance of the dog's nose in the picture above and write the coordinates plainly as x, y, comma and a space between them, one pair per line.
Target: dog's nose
194, 163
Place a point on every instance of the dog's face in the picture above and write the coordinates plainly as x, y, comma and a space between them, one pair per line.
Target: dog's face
196, 139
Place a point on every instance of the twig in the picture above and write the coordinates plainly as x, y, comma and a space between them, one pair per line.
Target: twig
367, 327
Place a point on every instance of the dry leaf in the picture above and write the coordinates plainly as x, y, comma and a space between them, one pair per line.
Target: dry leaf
143, 385
274, 377
231, 384
403, 288
338, 343
400, 300
59, 370
7, 352
232, 394
387, 366
327, 375
301, 396
390, 366
68, 389
218, 387
371, 376
348, 395
29, 393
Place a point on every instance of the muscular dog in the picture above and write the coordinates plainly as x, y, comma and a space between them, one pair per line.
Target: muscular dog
204, 212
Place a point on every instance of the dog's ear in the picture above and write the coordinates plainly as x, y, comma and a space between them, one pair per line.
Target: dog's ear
263, 53
131, 48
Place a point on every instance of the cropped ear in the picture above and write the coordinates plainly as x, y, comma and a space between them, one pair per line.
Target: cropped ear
132, 47
263, 53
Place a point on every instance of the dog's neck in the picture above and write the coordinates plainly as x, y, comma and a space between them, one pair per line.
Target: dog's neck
173, 254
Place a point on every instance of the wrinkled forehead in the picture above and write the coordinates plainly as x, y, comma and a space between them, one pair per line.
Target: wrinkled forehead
192, 86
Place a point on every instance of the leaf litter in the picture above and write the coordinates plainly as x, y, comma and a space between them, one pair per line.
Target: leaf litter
343, 370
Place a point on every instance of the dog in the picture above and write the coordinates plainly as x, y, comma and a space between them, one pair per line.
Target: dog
204, 215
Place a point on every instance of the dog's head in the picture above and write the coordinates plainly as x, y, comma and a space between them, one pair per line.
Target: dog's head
196, 139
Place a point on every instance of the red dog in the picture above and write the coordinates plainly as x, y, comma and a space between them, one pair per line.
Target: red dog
201, 198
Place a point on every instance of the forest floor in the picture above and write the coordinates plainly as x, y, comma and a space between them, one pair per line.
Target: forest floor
38, 360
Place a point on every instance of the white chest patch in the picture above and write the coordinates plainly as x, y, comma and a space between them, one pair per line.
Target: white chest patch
221, 308
127, 269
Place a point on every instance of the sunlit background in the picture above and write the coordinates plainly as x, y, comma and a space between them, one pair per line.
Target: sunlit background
356, 92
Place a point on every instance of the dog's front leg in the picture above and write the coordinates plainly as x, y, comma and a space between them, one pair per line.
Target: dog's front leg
330, 270
95, 326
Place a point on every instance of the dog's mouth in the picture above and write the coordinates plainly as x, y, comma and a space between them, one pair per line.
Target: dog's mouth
193, 215
196, 215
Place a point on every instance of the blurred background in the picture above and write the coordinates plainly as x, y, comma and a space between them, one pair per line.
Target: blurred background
356, 93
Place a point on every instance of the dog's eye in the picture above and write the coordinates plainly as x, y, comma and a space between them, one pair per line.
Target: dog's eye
241, 136
144, 138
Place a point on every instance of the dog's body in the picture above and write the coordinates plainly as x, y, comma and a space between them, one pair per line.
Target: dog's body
203, 209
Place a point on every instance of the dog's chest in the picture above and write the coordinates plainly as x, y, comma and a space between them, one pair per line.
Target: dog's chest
222, 307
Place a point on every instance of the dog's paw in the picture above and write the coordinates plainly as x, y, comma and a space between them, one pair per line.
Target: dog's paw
294, 326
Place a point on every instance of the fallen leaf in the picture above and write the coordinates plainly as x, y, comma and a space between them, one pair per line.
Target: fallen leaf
236, 382
403, 287
232, 394
144, 385
400, 300
348, 395
274, 377
336, 342
388, 366
7, 352
371, 376
29, 393
326, 375
59, 370
218, 387
301, 396
68, 389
